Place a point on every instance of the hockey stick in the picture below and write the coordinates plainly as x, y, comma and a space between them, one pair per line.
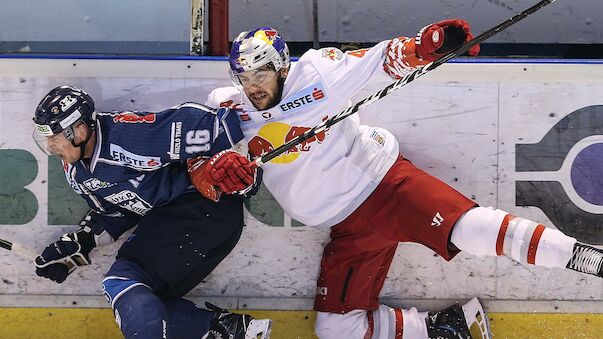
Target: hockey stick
18, 249
396, 85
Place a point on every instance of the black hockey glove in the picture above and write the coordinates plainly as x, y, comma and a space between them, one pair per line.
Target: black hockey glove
62, 257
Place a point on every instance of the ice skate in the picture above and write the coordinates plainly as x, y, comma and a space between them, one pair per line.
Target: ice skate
464, 322
227, 325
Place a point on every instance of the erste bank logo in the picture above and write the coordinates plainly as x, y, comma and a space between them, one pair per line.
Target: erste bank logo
303, 99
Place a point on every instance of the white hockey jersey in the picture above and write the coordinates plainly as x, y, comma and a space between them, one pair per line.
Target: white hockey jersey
323, 180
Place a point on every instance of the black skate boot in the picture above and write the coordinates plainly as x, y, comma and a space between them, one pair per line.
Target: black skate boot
461, 322
586, 259
226, 325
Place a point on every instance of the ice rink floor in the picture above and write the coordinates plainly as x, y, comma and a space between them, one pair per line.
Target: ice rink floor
80, 323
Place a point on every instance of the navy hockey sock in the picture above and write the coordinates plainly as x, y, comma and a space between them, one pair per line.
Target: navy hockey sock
186, 320
141, 314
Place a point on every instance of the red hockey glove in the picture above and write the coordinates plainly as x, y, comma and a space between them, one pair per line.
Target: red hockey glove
201, 179
436, 40
401, 58
229, 170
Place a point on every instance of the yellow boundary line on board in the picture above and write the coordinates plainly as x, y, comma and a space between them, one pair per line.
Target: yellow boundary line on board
89, 323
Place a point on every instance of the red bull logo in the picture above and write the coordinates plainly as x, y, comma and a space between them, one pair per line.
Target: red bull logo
275, 134
133, 118
332, 54
271, 34
268, 36
229, 104
243, 62
244, 117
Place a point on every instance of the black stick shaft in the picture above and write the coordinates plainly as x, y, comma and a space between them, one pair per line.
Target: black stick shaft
399, 83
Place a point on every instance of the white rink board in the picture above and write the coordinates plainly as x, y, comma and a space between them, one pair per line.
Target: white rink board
460, 123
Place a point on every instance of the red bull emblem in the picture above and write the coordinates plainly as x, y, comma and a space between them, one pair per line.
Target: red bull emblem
133, 118
332, 54
271, 34
275, 134
229, 104
242, 61
296, 131
259, 146
244, 117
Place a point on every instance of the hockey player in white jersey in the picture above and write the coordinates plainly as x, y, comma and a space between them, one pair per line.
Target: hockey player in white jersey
352, 179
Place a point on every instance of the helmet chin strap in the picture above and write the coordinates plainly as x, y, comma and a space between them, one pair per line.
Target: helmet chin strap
82, 145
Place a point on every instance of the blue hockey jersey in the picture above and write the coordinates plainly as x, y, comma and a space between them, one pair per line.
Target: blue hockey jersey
139, 160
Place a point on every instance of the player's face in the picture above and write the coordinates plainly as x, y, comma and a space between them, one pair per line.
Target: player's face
58, 144
261, 86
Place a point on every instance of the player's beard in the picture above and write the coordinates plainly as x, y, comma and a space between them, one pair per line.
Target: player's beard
274, 99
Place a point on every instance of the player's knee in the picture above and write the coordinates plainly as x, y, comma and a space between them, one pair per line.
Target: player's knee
138, 311
352, 324
476, 232
115, 288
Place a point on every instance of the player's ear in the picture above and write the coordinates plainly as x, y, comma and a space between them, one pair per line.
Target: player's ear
284, 72
81, 131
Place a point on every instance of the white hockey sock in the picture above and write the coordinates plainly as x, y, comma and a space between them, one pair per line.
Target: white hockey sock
487, 232
414, 325
398, 323
554, 249
383, 323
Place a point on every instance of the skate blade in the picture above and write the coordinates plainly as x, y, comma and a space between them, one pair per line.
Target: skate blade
259, 329
477, 320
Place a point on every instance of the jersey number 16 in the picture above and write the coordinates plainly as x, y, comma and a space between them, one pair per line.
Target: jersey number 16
197, 141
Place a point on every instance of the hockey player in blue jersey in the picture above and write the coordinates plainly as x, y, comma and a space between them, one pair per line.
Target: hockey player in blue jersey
131, 168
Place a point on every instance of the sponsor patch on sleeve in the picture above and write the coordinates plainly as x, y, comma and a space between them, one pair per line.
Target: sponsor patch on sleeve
134, 118
304, 98
378, 138
130, 201
332, 54
133, 160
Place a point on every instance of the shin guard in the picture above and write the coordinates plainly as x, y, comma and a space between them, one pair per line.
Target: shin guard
485, 231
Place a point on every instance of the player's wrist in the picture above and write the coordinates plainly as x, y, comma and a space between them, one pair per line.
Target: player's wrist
85, 237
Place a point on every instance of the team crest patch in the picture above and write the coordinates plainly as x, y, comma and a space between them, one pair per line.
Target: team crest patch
332, 53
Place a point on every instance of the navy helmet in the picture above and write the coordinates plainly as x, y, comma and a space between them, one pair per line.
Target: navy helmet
58, 112
62, 107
